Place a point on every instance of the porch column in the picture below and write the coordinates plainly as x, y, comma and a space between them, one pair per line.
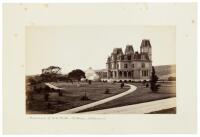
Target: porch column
117, 74
122, 74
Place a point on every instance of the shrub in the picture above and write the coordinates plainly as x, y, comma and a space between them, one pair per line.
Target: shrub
60, 102
107, 91
154, 87
84, 98
122, 84
90, 82
144, 82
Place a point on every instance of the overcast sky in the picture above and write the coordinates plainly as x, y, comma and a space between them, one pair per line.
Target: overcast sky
81, 47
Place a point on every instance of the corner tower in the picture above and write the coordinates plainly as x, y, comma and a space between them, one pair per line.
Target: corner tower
146, 48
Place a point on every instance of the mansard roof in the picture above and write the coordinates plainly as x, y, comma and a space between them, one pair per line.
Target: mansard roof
117, 51
129, 49
145, 43
108, 59
137, 55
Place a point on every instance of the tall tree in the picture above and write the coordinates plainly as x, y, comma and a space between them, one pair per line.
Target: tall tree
51, 73
154, 78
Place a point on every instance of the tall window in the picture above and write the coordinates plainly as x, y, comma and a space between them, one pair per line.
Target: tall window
145, 73
133, 66
129, 57
143, 65
125, 66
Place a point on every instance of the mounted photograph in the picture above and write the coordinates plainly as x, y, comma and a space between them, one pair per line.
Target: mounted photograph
100, 69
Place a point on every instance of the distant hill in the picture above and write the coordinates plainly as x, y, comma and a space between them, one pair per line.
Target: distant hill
165, 71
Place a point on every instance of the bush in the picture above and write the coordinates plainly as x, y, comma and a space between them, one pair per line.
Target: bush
122, 84
60, 102
84, 98
154, 79
90, 82
147, 85
144, 82
107, 91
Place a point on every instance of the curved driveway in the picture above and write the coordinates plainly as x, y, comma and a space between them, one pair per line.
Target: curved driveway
77, 109
141, 108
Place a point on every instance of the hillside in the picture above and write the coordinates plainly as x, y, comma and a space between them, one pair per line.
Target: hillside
165, 71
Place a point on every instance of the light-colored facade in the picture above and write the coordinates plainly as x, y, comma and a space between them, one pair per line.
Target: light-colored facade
130, 65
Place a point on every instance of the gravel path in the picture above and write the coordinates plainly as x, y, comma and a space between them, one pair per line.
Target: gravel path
77, 109
141, 108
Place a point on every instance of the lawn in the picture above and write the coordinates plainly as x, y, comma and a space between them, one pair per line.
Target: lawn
165, 111
141, 95
72, 95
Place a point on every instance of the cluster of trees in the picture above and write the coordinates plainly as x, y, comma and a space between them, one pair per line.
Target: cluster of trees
52, 73
76, 74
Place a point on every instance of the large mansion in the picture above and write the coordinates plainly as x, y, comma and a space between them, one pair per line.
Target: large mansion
129, 65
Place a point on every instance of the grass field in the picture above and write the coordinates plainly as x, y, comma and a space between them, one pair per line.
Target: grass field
165, 111
141, 95
72, 95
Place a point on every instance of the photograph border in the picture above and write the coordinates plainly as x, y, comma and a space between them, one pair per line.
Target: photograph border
185, 121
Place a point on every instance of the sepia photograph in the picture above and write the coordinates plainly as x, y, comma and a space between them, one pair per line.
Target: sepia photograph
100, 70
